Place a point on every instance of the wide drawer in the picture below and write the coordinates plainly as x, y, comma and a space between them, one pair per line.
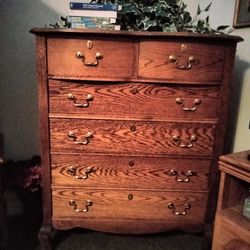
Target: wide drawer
180, 61
129, 204
133, 137
90, 58
134, 100
131, 172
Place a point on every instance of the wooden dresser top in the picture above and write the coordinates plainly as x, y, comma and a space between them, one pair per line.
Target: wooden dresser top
47, 31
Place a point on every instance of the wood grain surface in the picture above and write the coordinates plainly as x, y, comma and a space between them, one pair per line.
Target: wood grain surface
115, 204
117, 61
111, 136
154, 61
133, 100
114, 171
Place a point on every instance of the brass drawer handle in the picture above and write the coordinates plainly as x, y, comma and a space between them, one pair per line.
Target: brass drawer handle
87, 204
181, 177
72, 98
98, 56
187, 206
189, 64
72, 171
72, 136
180, 101
177, 140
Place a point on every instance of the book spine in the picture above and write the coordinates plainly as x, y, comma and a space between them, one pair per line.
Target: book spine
89, 6
90, 25
79, 19
93, 13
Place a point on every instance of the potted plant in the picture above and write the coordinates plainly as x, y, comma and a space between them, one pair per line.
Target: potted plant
162, 15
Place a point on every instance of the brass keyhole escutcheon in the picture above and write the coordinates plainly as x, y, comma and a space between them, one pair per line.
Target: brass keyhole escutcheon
133, 128
89, 44
184, 48
131, 163
130, 197
135, 91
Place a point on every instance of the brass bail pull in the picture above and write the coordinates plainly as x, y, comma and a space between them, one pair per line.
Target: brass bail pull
180, 101
187, 66
72, 98
187, 206
73, 172
177, 140
72, 136
98, 57
87, 204
182, 176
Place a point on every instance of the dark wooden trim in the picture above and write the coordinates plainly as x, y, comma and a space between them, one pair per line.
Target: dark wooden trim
237, 23
65, 31
44, 125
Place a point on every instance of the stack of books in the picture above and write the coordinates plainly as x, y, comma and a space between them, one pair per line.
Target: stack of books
93, 16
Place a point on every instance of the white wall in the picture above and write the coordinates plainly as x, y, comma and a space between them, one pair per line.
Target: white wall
221, 13
18, 88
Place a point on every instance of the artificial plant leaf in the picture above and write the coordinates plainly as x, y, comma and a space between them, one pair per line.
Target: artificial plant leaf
162, 3
173, 28
222, 27
187, 17
149, 9
198, 10
129, 8
200, 23
161, 13
207, 20
148, 23
208, 7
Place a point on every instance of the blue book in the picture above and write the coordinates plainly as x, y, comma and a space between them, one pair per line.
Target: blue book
90, 6
79, 19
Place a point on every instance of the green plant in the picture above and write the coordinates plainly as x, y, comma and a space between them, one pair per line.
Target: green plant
162, 15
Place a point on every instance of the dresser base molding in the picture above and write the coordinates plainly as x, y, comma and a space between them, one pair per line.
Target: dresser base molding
127, 227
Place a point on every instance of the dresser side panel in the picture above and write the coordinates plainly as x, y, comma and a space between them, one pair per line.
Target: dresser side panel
220, 133
41, 54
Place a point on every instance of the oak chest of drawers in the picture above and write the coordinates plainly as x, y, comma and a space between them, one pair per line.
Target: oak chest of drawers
131, 128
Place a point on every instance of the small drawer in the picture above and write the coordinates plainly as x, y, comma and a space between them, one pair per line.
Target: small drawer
133, 100
129, 204
181, 62
129, 172
133, 137
90, 58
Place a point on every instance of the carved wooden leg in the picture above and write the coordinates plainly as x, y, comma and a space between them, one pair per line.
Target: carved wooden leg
45, 238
